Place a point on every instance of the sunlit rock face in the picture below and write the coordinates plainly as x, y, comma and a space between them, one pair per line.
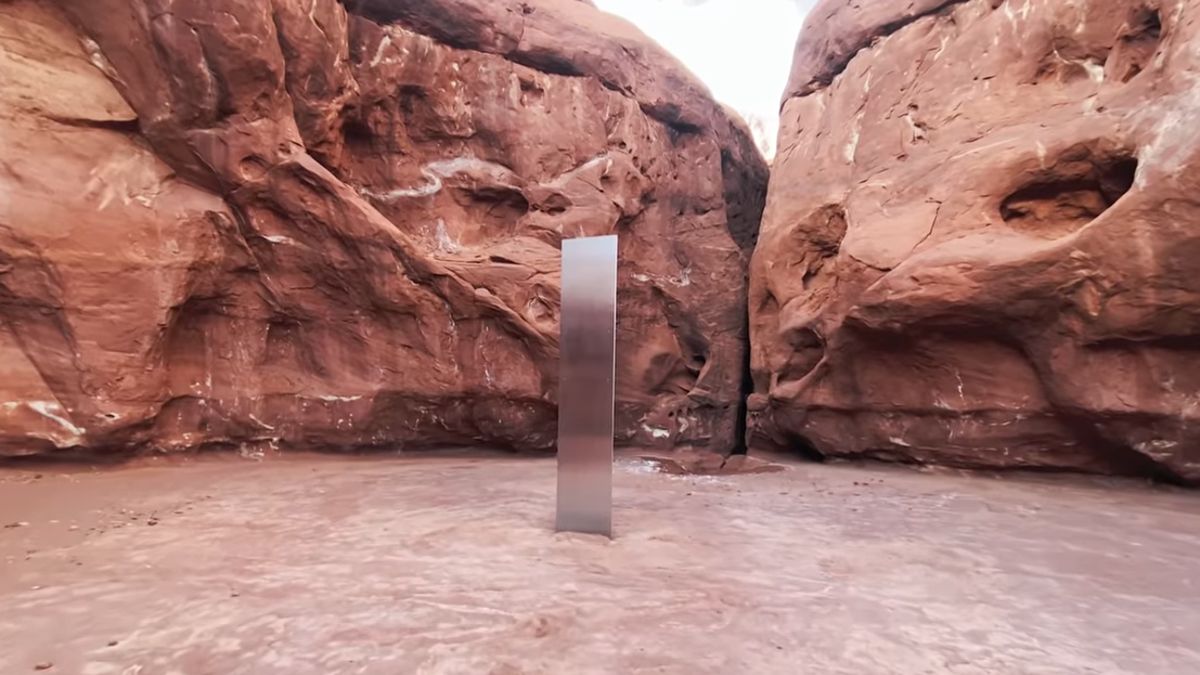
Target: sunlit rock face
298, 223
981, 245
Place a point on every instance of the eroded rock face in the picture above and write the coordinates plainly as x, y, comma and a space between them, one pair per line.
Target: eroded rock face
283, 223
982, 239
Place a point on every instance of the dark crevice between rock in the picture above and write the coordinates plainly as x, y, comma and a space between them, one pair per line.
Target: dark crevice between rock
119, 126
357, 134
800, 446
1190, 343
746, 388
64, 458
743, 207
548, 63
613, 86
670, 116
496, 205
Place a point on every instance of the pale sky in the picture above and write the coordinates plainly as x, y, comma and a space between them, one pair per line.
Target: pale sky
742, 49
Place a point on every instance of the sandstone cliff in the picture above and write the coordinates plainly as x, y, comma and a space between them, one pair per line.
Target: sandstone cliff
335, 226
982, 239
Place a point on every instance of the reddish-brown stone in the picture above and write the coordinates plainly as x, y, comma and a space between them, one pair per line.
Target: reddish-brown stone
982, 239
229, 223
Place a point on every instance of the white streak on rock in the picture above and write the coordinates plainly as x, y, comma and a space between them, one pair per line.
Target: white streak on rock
657, 432
852, 145
51, 410
445, 243
383, 44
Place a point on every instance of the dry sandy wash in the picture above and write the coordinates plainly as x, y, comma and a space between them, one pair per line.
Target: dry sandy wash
448, 565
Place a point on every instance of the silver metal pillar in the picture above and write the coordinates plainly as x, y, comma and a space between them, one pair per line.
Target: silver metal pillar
587, 366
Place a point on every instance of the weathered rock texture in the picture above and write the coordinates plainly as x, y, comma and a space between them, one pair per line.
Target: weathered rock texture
328, 225
982, 239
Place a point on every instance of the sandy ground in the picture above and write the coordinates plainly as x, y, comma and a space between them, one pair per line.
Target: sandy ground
448, 566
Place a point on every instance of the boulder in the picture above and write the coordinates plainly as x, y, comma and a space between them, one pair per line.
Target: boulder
981, 245
306, 224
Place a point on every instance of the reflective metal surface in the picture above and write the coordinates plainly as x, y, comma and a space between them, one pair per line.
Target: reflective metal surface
585, 395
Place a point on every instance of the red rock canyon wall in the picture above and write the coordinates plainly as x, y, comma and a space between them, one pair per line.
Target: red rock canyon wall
982, 239
282, 223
